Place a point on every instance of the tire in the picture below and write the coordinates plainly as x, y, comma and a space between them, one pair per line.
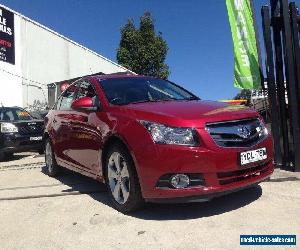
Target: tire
122, 180
8, 155
1, 156
51, 165
41, 151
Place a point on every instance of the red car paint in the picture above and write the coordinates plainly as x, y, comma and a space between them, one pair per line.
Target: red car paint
79, 138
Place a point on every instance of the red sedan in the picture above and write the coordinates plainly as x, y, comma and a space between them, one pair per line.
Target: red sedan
151, 140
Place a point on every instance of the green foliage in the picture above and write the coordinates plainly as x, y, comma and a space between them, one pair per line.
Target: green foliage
141, 50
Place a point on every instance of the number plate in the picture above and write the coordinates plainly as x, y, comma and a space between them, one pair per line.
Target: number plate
253, 156
36, 138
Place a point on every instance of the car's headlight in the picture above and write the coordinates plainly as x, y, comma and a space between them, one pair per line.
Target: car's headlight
8, 128
262, 129
163, 134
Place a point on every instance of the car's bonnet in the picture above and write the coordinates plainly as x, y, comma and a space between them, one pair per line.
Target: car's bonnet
189, 112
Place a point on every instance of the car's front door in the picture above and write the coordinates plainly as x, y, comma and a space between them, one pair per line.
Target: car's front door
60, 125
86, 139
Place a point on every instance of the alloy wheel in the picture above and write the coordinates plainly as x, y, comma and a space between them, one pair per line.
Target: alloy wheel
118, 178
48, 156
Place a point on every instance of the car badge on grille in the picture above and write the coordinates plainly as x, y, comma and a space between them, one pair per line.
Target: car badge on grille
244, 132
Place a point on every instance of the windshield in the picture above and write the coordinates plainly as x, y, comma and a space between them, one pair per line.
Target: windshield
14, 114
122, 91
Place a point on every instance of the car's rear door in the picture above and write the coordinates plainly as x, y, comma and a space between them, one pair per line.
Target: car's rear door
85, 137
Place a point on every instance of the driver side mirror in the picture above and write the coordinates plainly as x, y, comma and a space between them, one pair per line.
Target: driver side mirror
86, 103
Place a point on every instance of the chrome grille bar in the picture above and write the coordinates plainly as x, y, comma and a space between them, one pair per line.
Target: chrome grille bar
239, 133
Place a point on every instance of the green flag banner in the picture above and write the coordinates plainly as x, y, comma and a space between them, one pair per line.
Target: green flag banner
246, 63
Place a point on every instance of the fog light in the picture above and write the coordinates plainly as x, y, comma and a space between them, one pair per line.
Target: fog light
179, 181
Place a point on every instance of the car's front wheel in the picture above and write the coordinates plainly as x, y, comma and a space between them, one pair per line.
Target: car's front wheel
51, 165
1, 156
8, 155
122, 180
41, 150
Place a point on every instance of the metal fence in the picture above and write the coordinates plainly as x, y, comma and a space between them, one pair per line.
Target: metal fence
281, 27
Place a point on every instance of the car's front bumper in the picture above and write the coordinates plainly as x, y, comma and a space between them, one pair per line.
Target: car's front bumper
219, 168
208, 195
14, 142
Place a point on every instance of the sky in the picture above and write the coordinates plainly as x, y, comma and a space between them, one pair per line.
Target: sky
200, 55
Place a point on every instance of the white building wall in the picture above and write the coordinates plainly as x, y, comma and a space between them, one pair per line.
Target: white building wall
10, 80
42, 57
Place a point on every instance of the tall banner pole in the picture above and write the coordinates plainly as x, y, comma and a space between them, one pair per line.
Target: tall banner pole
247, 70
262, 78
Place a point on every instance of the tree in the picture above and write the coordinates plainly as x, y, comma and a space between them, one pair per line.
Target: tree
244, 94
142, 50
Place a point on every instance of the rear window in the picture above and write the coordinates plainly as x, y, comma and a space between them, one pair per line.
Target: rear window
14, 114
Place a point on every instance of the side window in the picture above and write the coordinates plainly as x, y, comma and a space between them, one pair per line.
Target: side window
66, 99
86, 90
7, 115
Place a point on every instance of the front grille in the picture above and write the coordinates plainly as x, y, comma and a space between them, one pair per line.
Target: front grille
25, 143
31, 129
241, 175
240, 133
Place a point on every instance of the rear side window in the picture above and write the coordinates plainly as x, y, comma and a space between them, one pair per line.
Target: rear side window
66, 99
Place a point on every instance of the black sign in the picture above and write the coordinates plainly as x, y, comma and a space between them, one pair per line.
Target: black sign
7, 36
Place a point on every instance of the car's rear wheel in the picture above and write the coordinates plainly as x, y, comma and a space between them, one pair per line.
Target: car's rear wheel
51, 165
122, 180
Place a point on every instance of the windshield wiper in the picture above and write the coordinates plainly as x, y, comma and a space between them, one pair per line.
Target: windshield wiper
192, 98
160, 100
136, 102
166, 99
